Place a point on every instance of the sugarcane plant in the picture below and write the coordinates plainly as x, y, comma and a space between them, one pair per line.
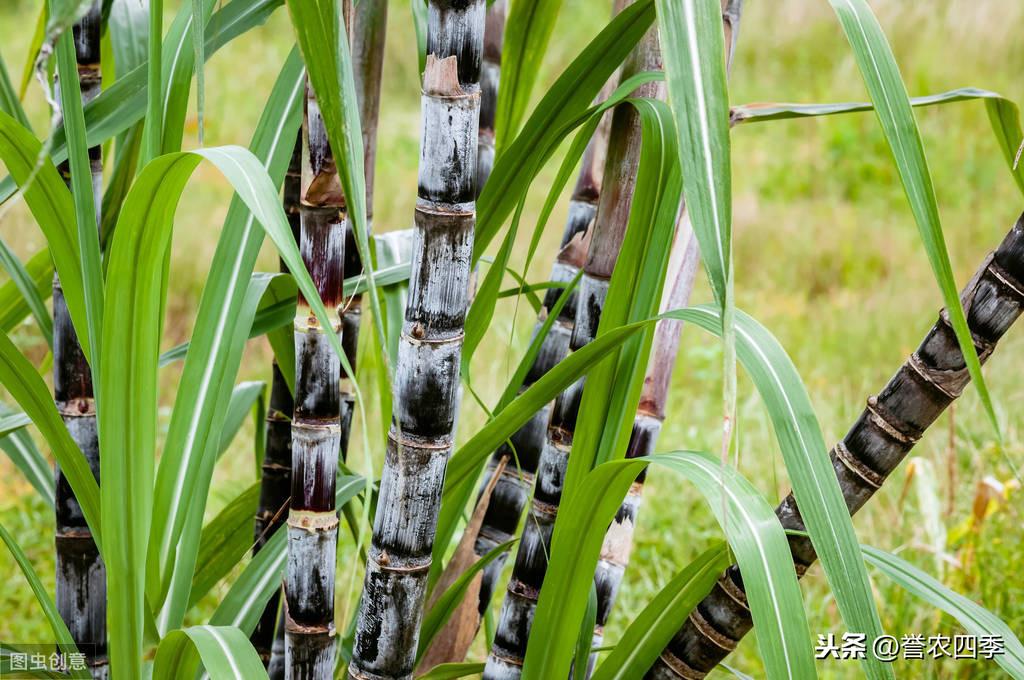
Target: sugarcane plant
81, 588
165, 570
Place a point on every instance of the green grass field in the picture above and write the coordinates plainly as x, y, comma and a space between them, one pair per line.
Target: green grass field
827, 257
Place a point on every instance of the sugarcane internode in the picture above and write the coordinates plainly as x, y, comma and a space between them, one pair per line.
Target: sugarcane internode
427, 371
892, 422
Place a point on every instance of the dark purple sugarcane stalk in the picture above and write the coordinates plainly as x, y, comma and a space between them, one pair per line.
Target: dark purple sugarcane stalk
81, 583
893, 421
276, 479
427, 372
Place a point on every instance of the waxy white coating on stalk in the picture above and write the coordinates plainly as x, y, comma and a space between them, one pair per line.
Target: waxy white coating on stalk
427, 372
316, 421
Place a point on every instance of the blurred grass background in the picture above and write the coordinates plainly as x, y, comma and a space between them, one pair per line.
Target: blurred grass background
827, 257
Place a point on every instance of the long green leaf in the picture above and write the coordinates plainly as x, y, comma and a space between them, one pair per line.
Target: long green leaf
224, 542
14, 306
612, 391
528, 30
973, 617
753, 532
225, 651
29, 291
451, 671
209, 372
243, 399
694, 49
815, 486
51, 205
22, 451
82, 190
10, 103
653, 628
154, 111
885, 86
1004, 116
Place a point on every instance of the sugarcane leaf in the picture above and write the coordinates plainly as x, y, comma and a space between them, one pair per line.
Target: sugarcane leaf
9, 100
29, 291
126, 25
60, 629
21, 449
153, 129
527, 33
14, 306
225, 653
653, 628
10, 423
585, 636
612, 391
481, 311
177, 72
972, 616
815, 487
28, 390
1004, 116
565, 106
243, 398
123, 104
224, 542
82, 191
51, 205
35, 44
419, 24
451, 671
753, 532
885, 87
215, 349
276, 310
198, 25
451, 598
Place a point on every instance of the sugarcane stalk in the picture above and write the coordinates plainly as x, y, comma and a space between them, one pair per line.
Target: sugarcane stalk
509, 648
519, 456
427, 371
316, 420
490, 77
81, 580
369, 21
685, 261
276, 479
893, 421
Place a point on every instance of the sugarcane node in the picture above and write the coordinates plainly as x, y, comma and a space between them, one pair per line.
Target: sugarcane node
869, 476
505, 658
881, 417
951, 382
72, 534
679, 667
721, 641
732, 591
523, 590
312, 521
547, 510
407, 440
1006, 278
441, 77
296, 628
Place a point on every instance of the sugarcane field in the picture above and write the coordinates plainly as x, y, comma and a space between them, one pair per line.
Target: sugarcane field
511, 339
